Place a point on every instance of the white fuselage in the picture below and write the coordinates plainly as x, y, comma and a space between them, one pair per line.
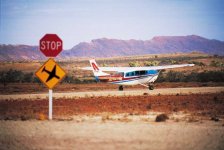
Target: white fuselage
139, 80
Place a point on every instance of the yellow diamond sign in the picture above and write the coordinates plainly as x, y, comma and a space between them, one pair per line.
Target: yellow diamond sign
50, 73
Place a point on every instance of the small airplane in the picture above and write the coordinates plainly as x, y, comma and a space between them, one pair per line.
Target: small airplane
145, 76
52, 74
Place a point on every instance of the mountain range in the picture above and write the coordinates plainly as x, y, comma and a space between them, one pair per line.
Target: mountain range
113, 47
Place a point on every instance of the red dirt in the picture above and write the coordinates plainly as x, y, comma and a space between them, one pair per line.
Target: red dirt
202, 105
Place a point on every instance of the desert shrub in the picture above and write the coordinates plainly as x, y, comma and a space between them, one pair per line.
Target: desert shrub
3, 78
77, 81
192, 77
198, 63
104, 65
168, 61
215, 76
11, 76
70, 79
161, 118
215, 118
161, 77
215, 63
15, 76
151, 63
134, 64
28, 77
175, 76
173, 61
207, 76
36, 80
88, 81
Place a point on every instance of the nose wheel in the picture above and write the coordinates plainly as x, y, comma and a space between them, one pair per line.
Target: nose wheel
151, 87
121, 88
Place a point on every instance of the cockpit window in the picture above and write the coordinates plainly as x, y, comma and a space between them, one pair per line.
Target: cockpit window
128, 74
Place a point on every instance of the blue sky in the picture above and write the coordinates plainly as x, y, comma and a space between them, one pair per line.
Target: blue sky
26, 21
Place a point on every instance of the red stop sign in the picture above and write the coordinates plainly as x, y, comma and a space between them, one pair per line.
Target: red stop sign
50, 45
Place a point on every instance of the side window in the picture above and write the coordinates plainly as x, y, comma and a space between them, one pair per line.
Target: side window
137, 73
142, 72
152, 71
132, 73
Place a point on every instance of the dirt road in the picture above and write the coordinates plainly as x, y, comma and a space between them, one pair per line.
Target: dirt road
111, 135
165, 91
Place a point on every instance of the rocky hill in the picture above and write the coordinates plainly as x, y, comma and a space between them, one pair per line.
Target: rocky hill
19, 53
158, 45
112, 47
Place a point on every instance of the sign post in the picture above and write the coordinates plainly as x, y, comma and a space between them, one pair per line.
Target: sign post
50, 104
50, 73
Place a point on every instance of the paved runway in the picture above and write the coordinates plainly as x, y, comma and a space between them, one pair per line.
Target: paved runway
166, 91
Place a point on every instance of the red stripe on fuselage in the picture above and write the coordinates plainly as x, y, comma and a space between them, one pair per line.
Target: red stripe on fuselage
109, 78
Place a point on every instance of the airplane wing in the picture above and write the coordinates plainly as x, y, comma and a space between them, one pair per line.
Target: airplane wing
126, 69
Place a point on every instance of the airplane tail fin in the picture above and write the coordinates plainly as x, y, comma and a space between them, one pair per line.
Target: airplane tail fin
96, 70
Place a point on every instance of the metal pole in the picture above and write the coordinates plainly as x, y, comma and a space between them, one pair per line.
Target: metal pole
50, 104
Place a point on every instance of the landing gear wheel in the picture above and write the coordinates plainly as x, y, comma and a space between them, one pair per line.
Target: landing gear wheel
151, 87
121, 88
